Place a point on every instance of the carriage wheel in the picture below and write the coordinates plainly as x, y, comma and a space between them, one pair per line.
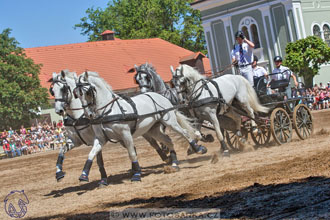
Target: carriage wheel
303, 121
233, 139
263, 135
281, 126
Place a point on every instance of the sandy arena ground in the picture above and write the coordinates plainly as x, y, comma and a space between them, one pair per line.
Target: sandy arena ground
291, 181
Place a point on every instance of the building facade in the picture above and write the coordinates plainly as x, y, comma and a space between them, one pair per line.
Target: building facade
270, 24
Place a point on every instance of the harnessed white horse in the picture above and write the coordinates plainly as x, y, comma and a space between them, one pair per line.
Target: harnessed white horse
77, 125
149, 81
114, 117
210, 97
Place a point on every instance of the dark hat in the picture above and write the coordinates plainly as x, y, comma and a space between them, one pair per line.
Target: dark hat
255, 58
277, 59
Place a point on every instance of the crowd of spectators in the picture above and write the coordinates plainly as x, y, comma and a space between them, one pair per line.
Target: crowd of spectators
316, 98
38, 138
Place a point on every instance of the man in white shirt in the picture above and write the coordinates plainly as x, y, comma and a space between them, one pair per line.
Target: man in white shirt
242, 55
282, 72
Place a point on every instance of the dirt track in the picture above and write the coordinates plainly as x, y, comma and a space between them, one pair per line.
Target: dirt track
275, 182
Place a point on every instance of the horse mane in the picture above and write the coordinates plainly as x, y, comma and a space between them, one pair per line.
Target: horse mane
191, 73
96, 75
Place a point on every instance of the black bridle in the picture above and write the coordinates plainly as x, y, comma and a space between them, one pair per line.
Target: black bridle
80, 86
149, 78
65, 91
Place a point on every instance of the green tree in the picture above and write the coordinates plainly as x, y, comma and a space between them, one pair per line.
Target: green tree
20, 89
171, 20
305, 57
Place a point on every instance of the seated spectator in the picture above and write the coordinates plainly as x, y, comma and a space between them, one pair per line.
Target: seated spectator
60, 124
33, 128
40, 143
321, 87
15, 151
6, 147
22, 130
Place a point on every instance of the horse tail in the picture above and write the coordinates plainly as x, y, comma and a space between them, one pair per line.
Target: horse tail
187, 124
253, 98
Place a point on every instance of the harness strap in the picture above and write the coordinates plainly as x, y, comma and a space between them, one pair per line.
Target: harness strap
71, 122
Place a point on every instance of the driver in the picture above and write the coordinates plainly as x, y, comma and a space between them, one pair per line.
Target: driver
242, 56
282, 72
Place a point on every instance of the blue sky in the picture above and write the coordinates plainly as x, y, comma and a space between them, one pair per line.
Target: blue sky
37, 23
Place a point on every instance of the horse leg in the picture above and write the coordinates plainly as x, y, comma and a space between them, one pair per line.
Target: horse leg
155, 145
88, 164
166, 140
127, 141
173, 123
100, 163
250, 113
59, 163
214, 120
238, 122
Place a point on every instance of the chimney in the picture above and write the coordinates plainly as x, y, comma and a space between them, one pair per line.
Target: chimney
108, 35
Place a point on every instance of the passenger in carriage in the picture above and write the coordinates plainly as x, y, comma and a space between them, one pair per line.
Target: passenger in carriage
258, 71
282, 72
242, 56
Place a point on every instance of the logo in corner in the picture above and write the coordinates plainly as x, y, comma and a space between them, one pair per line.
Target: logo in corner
15, 204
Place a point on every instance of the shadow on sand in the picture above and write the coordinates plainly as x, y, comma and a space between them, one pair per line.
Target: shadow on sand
303, 199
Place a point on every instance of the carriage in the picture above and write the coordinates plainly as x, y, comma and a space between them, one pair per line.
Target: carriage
285, 115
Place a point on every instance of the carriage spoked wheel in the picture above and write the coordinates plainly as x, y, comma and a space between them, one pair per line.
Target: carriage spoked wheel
262, 137
281, 126
303, 121
234, 141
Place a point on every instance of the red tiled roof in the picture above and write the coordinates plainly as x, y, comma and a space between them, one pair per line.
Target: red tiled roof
111, 59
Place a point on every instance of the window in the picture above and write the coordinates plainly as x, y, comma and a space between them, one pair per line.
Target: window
323, 33
249, 27
317, 31
326, 34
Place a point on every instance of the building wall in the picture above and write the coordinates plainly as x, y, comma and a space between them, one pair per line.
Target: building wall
317, 12
279, 22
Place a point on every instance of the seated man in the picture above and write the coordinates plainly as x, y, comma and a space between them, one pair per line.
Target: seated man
258, 71
283, 73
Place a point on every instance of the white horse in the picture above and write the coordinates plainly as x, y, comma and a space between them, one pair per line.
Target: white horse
123, 119
210, 97
77, 125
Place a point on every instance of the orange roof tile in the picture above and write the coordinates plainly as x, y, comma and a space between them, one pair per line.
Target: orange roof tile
111, 59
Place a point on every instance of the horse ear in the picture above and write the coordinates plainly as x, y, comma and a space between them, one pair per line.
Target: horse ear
86, 76
75, 77
172, 70
136, 67
62, 74
54, 75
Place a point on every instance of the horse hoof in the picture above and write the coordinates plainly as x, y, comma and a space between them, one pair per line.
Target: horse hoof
242, 140
201, 150
190, 151
209, 138
176, 168
136, 177
83, 178
103, 183
60, 175
255, 130
226, 153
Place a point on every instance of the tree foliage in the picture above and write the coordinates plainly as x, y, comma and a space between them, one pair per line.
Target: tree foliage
20, 89
171, 20
305, 57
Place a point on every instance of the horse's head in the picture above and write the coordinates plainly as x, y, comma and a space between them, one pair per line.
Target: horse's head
144, 78
61, 90
179, 82
86, 92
